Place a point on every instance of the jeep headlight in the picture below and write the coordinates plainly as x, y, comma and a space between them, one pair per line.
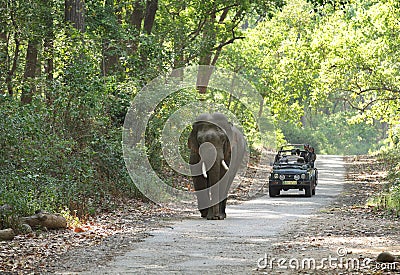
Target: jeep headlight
303, 176
296, 177
281, 177
276, 176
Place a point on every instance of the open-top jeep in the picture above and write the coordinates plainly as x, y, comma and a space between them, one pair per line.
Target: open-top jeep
293, 168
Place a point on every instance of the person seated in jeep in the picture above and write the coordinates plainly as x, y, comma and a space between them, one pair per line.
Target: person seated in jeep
300, 160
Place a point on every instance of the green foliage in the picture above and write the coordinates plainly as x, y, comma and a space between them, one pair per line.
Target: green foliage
333, 134
161, 114
389, 198
45, 168
327, 71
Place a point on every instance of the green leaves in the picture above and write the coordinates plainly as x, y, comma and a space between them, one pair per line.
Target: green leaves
306, 62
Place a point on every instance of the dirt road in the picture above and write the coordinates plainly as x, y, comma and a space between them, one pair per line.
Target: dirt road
234, 245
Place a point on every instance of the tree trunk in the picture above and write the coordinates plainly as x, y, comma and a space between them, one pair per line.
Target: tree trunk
49, 62
261, 108
110, 57
136, 19
209, 37
49, 67
49, 43
203, 78
137, 15
13, 68
3, 56
74, 12
30, 72
303, 121
151, 9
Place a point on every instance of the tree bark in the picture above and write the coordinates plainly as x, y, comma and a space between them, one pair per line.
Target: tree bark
137, 15
206, 54
3, 55
13, 68
136, 19
30, 72
74, 12
49, 43
150, 14
110, 57
151, 9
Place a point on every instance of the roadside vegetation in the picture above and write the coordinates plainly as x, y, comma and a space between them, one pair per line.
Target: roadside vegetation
389, 198
328, 72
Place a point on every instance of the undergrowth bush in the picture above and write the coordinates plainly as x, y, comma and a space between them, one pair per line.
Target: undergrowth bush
44, 166
389, 198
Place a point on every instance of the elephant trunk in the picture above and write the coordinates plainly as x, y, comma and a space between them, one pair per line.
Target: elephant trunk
214, 175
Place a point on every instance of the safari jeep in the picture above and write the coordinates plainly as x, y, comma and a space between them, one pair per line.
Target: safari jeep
292, 169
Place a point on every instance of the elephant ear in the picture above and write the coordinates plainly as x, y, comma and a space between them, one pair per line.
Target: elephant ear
237, 142
227, 151
228, 148
193, 144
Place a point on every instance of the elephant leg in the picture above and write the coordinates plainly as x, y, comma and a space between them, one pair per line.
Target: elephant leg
213, 212
204, 212
200, 183
222, 206
225, 185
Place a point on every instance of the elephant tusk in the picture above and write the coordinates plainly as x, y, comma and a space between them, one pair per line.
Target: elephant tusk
203, 168
224, 165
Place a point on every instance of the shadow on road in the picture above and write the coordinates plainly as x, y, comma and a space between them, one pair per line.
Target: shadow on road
233, 245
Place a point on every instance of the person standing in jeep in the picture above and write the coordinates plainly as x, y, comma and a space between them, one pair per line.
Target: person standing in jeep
304, 154
311, 156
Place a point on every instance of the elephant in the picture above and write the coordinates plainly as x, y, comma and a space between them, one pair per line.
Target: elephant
217, 151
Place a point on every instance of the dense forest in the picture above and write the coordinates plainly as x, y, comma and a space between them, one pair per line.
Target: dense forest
329, 72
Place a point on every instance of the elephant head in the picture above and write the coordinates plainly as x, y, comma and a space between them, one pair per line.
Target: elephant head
217, 150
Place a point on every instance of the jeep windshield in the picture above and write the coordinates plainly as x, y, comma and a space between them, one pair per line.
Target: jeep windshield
291, 156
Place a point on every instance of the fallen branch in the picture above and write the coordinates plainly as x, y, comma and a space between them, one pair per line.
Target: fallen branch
50, 221
7, 234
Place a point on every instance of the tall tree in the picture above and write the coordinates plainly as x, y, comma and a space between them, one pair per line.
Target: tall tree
11, 33
48, 48
30, 71
109, 50
201, 29
49, 39
3, 44
74, 12
40, 38
3, 58
150, 15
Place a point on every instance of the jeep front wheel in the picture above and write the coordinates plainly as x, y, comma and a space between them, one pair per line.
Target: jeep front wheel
273, 192
308, 191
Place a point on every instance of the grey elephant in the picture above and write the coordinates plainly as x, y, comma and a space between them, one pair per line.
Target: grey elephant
217, 151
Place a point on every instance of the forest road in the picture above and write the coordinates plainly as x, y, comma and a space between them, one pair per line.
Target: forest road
231, 246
